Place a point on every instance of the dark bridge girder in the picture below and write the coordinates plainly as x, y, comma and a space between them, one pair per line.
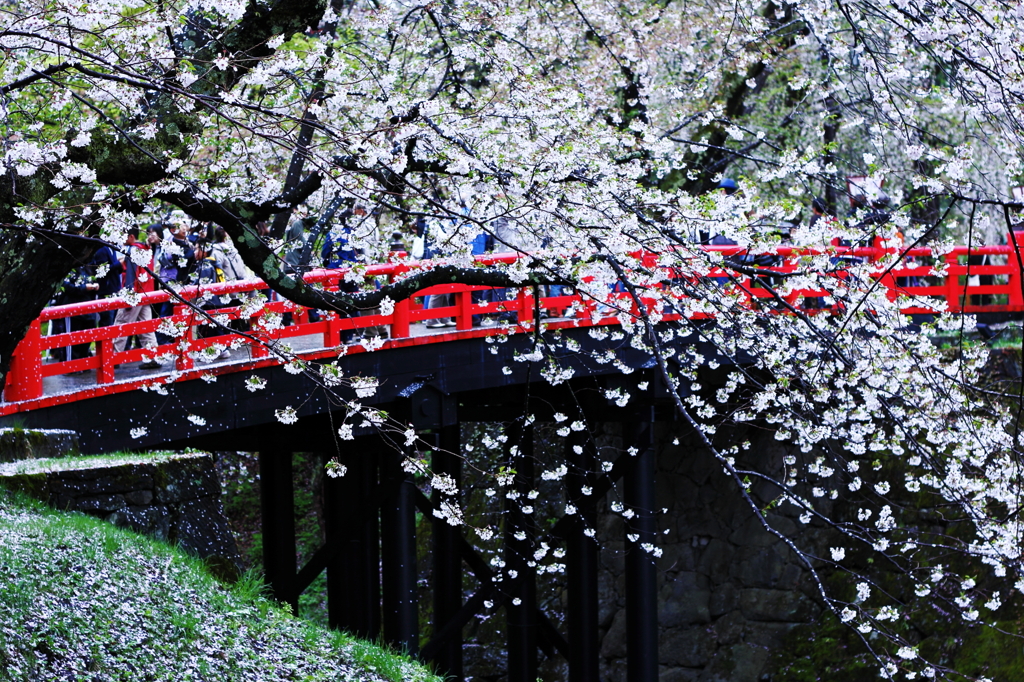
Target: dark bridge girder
237, 418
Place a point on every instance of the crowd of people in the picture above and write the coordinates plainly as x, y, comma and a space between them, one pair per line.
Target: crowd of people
169, 254
177, 252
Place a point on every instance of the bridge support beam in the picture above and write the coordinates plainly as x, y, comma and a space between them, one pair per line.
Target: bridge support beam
278, 520
641, 572
521, 617
447, 558
352, 529
582, 562
398, 556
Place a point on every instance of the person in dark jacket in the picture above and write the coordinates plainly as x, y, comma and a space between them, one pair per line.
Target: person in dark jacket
106, 271
78, 287
337, 252
294, 243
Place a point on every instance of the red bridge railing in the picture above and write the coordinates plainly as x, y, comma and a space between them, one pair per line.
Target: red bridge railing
930, 281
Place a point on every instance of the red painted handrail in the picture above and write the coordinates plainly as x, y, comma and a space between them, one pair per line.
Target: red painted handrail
948, 291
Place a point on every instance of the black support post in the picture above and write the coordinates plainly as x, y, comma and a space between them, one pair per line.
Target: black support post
398, 558
581, 562
353, 570
447, 561
521, 616
367, 546
641, 572
278, 516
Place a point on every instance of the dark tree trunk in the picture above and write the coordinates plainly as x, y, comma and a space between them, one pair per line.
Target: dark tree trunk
32, 268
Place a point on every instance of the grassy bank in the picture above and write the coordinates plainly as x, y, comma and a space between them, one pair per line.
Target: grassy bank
83, 600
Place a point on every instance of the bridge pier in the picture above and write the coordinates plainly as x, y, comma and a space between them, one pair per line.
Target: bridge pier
398, 556
353, 540
278, 514
372, 575
521, 618
582, 562
641, 572
447, 557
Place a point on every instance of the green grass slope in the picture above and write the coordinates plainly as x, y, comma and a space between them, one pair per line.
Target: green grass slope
82, 600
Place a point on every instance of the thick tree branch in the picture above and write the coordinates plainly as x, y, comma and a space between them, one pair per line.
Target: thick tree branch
258, 255
246, 42
38, 75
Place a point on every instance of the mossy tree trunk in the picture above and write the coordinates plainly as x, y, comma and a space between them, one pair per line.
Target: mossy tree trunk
36, 257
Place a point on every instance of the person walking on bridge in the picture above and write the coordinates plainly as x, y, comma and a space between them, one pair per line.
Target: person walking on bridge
106, 270
226, 254
338, 252
138, 277
78, 287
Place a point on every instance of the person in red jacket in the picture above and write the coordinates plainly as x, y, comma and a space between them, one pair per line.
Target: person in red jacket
138, 277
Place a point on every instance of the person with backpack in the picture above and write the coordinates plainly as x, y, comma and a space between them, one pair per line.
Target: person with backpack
208, 270
177, 259
225, 253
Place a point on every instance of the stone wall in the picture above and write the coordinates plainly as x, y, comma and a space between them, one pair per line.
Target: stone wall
19, 444
173, 497
729, 591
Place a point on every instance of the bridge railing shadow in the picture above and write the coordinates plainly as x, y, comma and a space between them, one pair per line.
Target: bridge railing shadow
920, 280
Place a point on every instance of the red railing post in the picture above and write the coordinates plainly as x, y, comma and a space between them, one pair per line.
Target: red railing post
886, 278
105, 353
953, 288
588, 309
258, 348
1013, 261
525, 307
400, 320
183, 344
463, 310
25, 377
332, 330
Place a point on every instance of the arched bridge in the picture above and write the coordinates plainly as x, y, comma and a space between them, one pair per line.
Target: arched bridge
249, 384
433, 377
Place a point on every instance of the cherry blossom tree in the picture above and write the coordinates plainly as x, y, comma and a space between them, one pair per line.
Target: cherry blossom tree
589, 137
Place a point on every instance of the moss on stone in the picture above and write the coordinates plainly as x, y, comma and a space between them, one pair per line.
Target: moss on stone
33, 485
828, 649
818, 652
989, 652
23, 444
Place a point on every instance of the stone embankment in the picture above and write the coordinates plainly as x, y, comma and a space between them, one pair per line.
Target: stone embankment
172, 496
729, 590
